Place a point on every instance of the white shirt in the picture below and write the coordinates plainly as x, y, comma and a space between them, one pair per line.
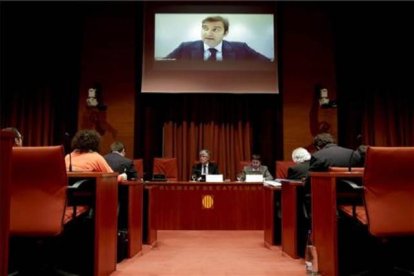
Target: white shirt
204, 169
219, 54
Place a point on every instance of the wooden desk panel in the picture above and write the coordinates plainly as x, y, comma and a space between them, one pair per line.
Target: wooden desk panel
324, 218
135, 203
151, 226
290, 226
105, 228
272, 231
205, 206
6, 144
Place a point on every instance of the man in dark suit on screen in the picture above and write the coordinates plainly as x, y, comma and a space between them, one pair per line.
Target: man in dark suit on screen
212, 47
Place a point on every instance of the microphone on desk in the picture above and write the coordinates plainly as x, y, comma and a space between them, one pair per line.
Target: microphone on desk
67, 145
195, 174
359, 142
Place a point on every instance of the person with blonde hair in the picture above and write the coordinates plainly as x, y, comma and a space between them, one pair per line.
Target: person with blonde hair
301, 157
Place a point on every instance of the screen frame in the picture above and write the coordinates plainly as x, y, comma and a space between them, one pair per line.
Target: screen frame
263, 80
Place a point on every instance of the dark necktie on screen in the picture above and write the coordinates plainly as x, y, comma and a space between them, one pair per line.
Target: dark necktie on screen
204, 171
213, 53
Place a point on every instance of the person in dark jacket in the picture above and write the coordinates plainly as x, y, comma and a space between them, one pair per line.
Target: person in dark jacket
119, 163
329, 154
204, 166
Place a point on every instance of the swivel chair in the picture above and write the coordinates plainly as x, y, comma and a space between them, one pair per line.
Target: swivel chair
167, 167
38, 201
387, 214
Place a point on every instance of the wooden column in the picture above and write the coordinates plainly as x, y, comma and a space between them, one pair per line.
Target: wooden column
6, 144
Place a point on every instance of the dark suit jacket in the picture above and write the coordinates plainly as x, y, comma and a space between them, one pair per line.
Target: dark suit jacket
298, 171
333, 155
194, 50
212, 169
121, 164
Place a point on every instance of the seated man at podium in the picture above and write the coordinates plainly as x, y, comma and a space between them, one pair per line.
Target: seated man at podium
256, 167
203, 167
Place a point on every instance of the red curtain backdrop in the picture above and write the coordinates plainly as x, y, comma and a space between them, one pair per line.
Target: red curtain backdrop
228, 142
40, 63
389, 119
33, 114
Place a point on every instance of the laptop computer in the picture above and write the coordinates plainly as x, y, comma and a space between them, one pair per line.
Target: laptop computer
214, 178
254, 178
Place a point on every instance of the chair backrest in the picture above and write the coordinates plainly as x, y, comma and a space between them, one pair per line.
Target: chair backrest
139, 166
167, 167
38, 191
389, 190
282, 168
243, 163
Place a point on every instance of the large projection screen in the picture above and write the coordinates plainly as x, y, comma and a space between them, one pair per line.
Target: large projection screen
167, 26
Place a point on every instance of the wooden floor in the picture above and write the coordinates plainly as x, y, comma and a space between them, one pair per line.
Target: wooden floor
210, 253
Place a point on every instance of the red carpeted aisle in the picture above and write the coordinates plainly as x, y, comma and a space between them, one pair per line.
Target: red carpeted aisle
210, 253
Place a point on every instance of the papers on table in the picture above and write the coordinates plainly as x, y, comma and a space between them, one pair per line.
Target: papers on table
273, 183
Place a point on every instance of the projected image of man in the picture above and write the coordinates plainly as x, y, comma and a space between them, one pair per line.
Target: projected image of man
213, 47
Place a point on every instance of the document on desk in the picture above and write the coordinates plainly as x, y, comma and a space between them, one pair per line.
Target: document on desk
272, 183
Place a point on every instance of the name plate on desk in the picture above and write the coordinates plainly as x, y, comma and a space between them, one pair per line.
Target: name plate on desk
254, 178
272, 183
214, 178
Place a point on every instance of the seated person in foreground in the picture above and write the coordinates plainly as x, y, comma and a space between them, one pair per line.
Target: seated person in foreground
85, 155
329, 154
18, 138
118, 162
256, 167
204, 166
300, 170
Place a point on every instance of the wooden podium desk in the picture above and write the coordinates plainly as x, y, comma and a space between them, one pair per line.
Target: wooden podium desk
6, 144
271, 199
105, 228
182, 205
134, 217
290, 212
285, 229
324, 218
